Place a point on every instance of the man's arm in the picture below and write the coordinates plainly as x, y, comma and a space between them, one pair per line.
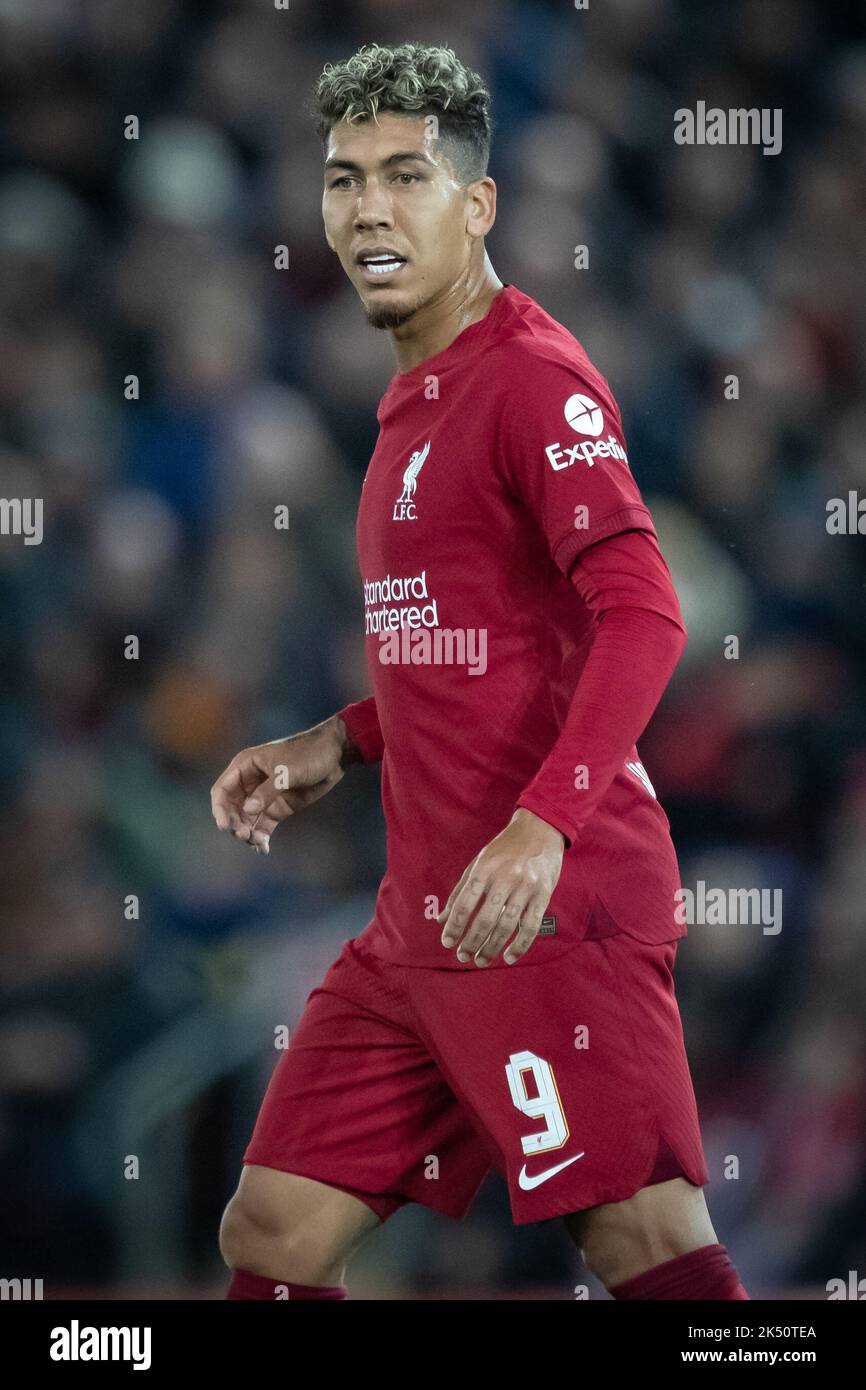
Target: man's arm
639, 638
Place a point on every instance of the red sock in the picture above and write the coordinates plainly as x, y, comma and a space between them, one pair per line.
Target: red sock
246, 1285
703, 1273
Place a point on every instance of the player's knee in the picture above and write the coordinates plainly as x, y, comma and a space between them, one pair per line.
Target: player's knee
280, 1225
237, 1233
290, 1248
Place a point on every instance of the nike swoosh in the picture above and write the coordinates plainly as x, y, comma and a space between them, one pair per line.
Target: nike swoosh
527, 1183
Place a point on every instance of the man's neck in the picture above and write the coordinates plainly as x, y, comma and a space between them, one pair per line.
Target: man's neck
435, 326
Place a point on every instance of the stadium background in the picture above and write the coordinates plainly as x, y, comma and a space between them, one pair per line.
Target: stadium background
153, 1036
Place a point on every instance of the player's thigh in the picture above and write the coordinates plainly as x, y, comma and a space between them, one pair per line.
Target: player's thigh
656, 1224
309, 1217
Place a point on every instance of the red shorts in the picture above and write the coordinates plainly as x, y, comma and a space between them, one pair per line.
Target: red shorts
406, 1084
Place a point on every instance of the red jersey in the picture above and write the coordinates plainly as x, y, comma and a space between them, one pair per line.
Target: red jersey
499, 461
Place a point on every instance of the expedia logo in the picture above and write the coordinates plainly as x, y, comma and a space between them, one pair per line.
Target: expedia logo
586, 451
585, 417
584, 414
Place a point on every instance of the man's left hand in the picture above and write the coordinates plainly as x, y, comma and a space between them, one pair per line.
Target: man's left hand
515, 874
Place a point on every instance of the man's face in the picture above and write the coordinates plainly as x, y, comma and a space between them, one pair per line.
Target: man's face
390, 191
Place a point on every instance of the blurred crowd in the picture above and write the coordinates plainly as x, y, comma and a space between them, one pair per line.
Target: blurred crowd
164, 387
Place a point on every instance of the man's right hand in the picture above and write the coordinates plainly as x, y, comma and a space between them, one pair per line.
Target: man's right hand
262, 786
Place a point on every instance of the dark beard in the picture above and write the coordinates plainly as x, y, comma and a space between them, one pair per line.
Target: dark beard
389, 315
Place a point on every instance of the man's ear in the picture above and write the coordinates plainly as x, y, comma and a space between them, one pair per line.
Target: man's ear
481, 213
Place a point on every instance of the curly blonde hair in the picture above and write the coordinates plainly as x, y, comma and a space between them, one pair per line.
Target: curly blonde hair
411, 79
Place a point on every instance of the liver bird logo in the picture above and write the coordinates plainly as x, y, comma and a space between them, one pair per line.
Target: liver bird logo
410, 477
